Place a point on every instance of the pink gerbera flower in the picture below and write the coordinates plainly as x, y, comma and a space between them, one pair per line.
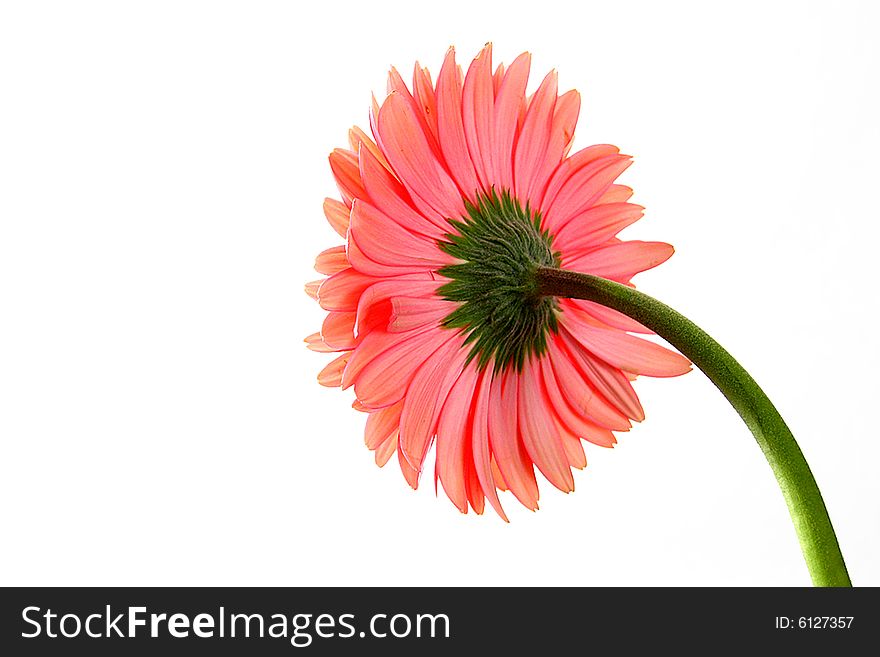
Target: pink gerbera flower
466, 189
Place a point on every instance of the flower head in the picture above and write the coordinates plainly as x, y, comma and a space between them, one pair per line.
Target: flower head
466, 188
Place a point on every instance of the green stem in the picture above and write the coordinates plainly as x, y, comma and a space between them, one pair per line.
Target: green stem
811, 521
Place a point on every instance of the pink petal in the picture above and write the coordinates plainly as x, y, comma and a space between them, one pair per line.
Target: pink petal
508, 106
344, 165
374, 306
451, 431
372, 345
381, 425
583, 188
425, 396
496, 473
471, 480
405, 145
478, 115
337, 215
510, 454
331, 261
386, 450
409, 472
571, 444
626, 351
389, 197
385, 248
409, 313
605, 315
385, 378
423, 92
311, 288
579, 392
451, 127
337, 330
573, 422
315, 343
531, 148
616, 194
343, 290
609, 381
572, 165
594, 226
397, 86
539, 434
620, 261
565, 116
480, 442
498, 78
360, 141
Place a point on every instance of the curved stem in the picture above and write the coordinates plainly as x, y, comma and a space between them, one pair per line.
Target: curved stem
811, 521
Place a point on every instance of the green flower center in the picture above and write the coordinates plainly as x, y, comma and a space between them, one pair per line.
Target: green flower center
504, 317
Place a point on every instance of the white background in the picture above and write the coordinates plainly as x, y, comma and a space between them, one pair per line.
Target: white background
162, 168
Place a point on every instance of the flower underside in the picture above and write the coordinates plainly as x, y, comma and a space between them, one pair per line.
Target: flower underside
504, 316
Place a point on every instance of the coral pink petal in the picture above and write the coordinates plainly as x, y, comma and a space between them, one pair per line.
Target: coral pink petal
574, 423
386, 450
496, 473
374, 307
609, 381
384, 379
561, 133
571, 166
571, 444
510, 454
359, 140
451, 127
480, 442
620, 261
381, 425
580, 392
565, 117
316, 343
425, 396
583, 189
389, 197
423, 92
331, 375
478, 115
381, 240
337, 331
343, 290
372, 345
397, 86
539, 434
405, 145
451, 431
605, 315
508, 106
311, 288
337, 215
331, 261
409, 472
409, 313
472, 481
616, 194
344, 165
531, 148
498, 78
595, 226
628, 352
